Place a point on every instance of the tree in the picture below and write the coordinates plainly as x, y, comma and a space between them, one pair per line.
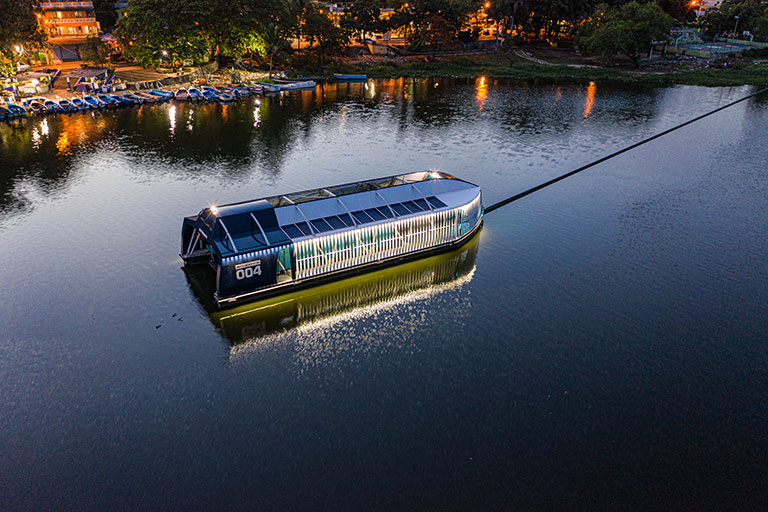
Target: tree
439, 33
19, 32
446, 16
106, 14
402, 19
230, 25
274, 43
503, 12
363, 17
681, 10
155, 31
96, 51
321, 31
628, 29
752, 16
300, 9
176, 31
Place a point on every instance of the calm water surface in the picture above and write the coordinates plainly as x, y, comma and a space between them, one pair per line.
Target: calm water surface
600, 345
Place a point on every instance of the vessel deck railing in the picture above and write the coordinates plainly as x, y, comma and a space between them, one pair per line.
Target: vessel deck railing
369, 243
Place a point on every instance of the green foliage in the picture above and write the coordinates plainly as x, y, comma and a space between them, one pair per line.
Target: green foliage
324, 34
439, 21
192, 30
96, 51
752, 14
363, 17
274, 44
298, 10
503, 66
628, 29
164, 30
106, 14
18, 28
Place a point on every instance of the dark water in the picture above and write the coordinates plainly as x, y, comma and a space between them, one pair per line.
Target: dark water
600, 345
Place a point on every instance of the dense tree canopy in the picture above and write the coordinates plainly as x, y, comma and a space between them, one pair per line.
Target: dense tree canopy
96, 51
177, 31
275, 45
752, 17
321, 32
627, 29
18, 28
364, 16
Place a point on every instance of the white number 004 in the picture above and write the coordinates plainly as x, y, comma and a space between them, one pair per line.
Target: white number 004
245, 273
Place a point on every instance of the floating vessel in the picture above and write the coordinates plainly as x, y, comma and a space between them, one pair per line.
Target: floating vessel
93, 101
332, 301
276, 244
38, 107
294, 85
349, 78
135, 99
181, 94
266, 87
163, 95
17, 110
108, 101
67, 105
53, 107
79, 103
148, 98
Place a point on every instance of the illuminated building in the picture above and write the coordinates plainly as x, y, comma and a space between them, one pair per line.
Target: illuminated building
68, 25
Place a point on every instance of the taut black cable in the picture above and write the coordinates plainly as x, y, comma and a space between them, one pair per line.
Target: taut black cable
608, 157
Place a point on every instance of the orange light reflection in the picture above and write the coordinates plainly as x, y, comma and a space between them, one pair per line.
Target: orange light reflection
481, 93
589, 100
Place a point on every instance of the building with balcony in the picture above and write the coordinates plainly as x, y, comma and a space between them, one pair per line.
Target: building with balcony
67, 25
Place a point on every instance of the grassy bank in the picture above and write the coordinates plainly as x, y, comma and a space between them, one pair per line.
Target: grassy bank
511, 67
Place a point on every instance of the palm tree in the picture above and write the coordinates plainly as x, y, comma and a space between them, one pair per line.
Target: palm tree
273, 39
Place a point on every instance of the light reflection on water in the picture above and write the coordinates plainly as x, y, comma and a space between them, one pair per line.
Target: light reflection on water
303, 318
615, 321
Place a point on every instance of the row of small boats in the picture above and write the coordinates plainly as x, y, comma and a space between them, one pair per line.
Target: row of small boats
225, 93
42, 106
201, 93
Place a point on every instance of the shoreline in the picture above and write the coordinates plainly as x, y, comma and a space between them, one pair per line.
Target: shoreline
511, 67
515, 69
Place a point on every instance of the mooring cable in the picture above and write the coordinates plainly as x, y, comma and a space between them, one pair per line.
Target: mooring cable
520, 195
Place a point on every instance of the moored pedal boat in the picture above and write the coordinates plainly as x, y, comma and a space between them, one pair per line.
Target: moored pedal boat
79, 103
272, 245
67, 105
148, 98
93, 101
349, 78
132, 97
52, 107
16, 110
38, 107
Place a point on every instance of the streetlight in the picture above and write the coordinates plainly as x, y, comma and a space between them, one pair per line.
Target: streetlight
736, 25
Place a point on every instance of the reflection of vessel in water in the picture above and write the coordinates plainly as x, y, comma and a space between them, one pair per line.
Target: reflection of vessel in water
276, 244
337, 299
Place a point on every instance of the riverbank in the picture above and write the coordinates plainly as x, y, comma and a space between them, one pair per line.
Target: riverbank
511, 66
